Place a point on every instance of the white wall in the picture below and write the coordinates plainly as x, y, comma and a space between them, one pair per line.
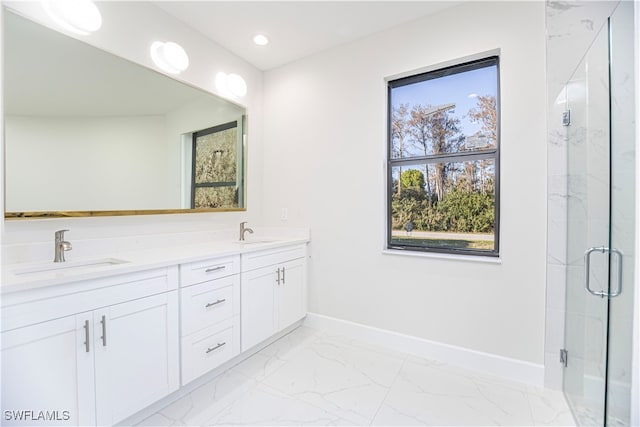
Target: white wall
325, 136
128, 30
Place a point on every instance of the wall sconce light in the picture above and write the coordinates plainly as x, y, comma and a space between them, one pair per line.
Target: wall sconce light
169, 57
261, 39
78, 16
237, 85
231, 84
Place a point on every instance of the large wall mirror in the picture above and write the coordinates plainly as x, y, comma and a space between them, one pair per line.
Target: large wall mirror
89, 133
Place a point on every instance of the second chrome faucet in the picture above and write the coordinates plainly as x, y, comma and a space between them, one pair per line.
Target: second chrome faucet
244, 230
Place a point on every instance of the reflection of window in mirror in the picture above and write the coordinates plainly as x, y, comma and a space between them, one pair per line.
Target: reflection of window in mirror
215, 167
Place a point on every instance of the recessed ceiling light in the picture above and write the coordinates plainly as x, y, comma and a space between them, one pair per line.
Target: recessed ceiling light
261, 39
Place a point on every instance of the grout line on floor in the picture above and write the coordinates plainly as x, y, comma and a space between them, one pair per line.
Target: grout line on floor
386, 395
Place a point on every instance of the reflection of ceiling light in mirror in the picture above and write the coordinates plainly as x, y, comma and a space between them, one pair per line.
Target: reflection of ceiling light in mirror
261, 40
78, 16
170, 57
231, 84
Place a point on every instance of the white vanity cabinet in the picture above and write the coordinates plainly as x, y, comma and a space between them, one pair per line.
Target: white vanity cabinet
91, 352
210, 314
273, 292
45, 367
98, 350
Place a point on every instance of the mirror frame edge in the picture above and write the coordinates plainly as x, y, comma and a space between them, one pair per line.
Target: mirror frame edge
81, 214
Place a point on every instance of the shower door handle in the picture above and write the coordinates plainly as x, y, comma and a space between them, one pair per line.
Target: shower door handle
618, 290
587, 270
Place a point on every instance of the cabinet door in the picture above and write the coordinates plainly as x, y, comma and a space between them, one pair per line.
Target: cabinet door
292, 293
258, 317
48, 367
136, 355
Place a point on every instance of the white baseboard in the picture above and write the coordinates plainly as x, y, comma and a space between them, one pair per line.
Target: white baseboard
505, 367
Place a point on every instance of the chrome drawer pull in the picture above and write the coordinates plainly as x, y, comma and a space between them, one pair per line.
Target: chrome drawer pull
86, 336
211, 270
211, 304
209, 350
104, 331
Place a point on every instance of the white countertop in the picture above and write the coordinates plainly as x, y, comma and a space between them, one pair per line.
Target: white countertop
138, 260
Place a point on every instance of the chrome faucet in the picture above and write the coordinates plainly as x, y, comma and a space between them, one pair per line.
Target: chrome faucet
244, 229
61, 246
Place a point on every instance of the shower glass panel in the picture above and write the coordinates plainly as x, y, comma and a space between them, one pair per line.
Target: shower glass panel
600, 251
623, 181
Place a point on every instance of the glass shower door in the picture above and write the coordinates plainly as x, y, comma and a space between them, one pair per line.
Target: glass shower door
588, 185
601, 188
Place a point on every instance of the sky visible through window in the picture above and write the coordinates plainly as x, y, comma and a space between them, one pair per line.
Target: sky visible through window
461, 89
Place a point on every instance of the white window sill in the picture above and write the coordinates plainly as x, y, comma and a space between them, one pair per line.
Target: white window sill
449, 257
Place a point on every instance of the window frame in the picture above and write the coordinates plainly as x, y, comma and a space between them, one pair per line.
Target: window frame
481, 154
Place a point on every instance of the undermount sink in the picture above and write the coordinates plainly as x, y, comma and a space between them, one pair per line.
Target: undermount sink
67, 266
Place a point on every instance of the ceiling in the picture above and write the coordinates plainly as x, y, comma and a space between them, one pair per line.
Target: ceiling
38, 83
296, 28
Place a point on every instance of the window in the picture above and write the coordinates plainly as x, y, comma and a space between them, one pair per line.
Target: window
443, 160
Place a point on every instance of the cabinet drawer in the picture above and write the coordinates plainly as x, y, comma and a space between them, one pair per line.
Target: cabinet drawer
208, 349
258, 259
209, 303
214, 268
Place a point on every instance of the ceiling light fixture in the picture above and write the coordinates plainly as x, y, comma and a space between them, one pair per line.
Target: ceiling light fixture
231, 84
169, 57
261, 40
78, 16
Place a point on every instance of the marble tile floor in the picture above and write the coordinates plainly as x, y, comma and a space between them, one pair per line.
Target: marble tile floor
310, 377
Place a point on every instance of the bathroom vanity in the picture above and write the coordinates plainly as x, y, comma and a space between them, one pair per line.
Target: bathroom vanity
127, 321
94, 341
